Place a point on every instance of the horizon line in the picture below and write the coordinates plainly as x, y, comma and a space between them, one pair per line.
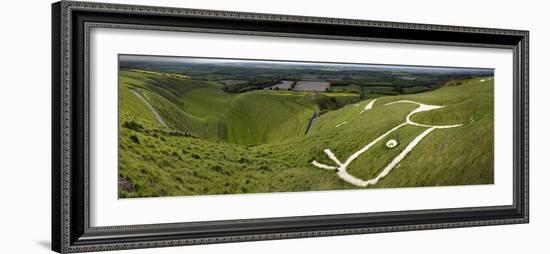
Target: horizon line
221, 60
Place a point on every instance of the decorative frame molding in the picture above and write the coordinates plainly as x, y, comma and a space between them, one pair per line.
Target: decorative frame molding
71, 22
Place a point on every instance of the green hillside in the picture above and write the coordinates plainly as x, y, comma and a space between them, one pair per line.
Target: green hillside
218, 142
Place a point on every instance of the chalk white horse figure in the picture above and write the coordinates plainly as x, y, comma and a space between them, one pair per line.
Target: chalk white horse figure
341, 167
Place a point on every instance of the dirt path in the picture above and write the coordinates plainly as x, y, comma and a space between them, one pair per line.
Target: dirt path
341, 167
155, 113
311, 121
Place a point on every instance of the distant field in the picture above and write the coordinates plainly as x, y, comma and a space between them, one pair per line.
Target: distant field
233, 82
386, 90
313, 86
345, 89
226, 143
415, 89
283, 85
408, 78
163, 74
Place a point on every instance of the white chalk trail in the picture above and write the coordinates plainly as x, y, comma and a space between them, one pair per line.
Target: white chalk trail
340, 124
323, 166
368, 107
421, 108
400, 157
342, 167
369, 145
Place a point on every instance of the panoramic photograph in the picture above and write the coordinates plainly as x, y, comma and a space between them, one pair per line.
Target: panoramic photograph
210, 126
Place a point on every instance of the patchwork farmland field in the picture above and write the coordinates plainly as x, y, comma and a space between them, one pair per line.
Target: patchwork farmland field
283, 85
312, 86
181, 133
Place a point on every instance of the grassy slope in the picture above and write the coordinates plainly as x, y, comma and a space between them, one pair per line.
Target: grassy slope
204, 110
164, 164
250, 118
462, 155
145, 83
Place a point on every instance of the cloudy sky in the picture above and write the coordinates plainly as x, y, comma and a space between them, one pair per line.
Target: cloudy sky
227, 61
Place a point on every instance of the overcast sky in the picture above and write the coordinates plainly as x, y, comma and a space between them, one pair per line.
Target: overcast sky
198, 60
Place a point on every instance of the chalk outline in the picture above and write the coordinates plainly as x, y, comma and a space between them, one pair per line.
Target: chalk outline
341, 168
